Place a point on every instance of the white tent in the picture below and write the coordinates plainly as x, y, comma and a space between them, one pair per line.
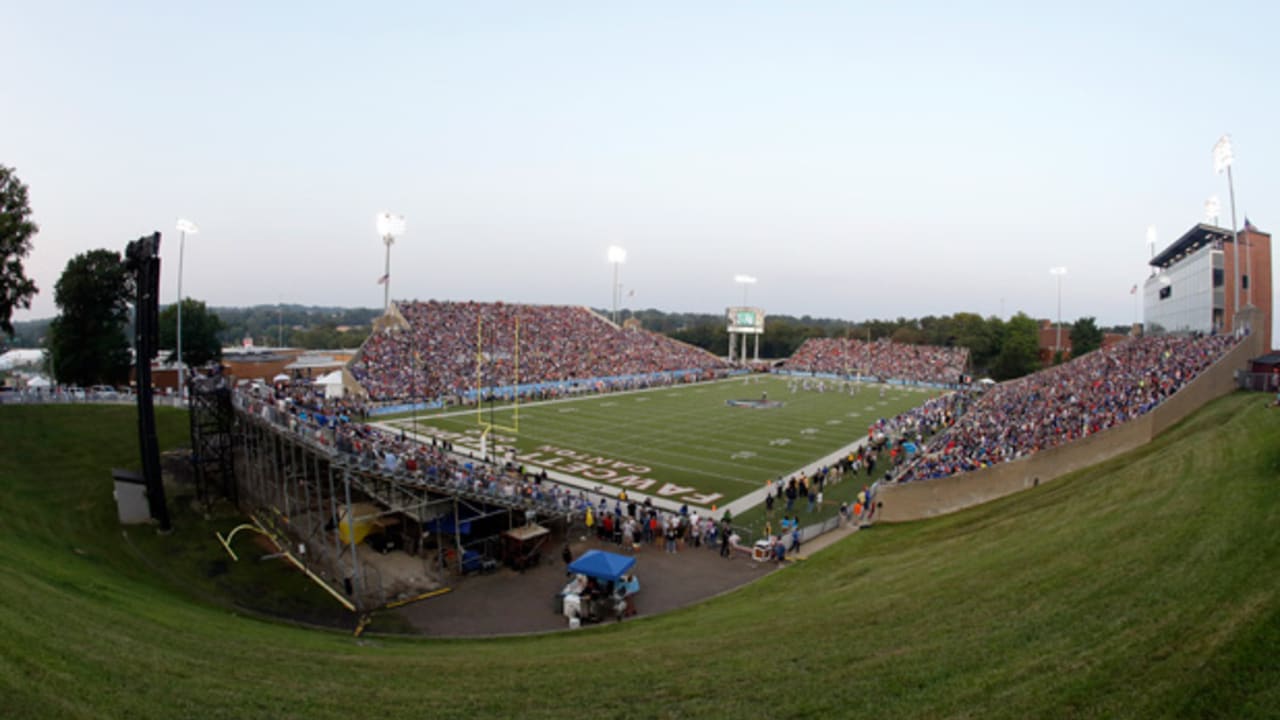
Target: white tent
280, 378
332, 384
39, 383
20, 358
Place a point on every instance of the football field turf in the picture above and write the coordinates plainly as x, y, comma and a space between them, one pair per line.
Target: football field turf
685, 442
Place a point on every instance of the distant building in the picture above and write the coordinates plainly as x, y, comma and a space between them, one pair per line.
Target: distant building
1048, 339
1192, 285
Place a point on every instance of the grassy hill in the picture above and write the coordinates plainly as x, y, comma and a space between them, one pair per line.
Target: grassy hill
1146, 587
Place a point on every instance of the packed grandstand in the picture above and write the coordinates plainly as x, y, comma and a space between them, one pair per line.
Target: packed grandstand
1051, 407
950, 434
557, 343
882, 359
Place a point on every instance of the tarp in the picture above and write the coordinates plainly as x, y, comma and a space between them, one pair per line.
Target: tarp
602, 565
332, 384
444, 526
365, 515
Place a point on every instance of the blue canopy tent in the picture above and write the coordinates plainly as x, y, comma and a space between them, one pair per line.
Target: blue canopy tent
602, 565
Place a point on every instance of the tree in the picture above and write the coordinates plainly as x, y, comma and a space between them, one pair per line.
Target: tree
1020, 351
200, 329
87, 341
982, 337
16, 231
1085, 336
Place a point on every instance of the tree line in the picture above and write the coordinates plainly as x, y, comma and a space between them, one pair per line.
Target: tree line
999, 348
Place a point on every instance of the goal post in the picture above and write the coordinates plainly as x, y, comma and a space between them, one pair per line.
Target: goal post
488, 425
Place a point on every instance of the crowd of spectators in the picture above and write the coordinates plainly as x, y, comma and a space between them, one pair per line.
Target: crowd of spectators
1071, 401
340, 426
920, 422
436, 356
882, 359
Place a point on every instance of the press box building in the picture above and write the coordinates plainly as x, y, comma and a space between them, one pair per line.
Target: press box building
1192, 285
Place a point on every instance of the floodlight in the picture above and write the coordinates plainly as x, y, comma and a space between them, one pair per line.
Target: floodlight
744, 279
390, 226
186, 226
1164, 279
1212, 208
1058, 271
617, 254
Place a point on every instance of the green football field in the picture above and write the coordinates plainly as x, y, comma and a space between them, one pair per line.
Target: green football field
684, 443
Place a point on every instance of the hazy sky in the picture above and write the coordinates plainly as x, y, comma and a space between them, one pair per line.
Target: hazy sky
907, 160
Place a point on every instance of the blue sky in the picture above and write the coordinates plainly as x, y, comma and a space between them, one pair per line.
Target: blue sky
861, 162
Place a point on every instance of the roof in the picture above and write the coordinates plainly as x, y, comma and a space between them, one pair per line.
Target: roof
527, 532
1194, 239
602, 565
314, 362
1272, 358
14, 358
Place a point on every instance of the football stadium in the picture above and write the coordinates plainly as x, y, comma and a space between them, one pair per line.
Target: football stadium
847, 488
564, 486
433, 490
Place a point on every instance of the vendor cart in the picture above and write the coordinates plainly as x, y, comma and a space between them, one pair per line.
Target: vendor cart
601, 586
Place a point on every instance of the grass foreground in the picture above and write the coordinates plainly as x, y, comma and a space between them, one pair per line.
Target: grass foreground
1148, 586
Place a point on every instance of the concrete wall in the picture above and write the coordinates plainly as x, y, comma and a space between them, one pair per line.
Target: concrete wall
930, 498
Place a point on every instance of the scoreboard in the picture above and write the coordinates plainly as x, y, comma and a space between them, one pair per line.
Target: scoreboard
746, 320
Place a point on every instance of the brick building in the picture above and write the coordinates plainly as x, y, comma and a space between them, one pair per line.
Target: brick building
1192, 287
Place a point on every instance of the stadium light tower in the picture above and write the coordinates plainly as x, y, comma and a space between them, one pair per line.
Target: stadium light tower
1223, 157
617, 256
745, 281
185, 227
390, 227
1059, 272
1212, 208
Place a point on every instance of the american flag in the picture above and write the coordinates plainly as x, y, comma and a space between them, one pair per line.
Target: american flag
1133, 290
383, 280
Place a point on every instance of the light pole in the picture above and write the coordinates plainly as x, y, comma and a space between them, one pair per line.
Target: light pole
1212, 208
617, 256
1058, 272
1151, 245
185, 227
390, 227
745, 281
1222, 160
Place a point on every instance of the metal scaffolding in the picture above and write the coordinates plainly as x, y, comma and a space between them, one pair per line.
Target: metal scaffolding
212, 440
304, 492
